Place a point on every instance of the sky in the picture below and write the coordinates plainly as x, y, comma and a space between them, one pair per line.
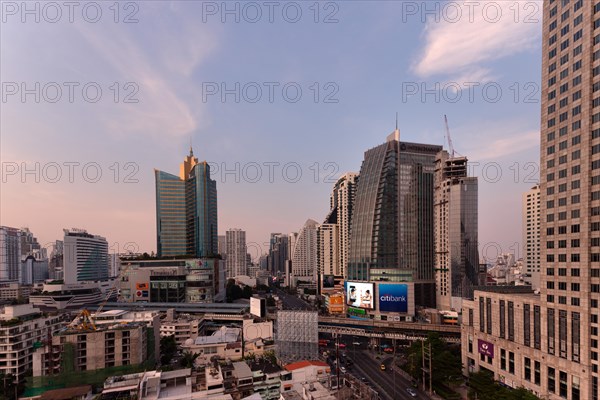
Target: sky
281, 98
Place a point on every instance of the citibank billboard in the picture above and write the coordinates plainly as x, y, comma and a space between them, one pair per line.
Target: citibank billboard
393, 298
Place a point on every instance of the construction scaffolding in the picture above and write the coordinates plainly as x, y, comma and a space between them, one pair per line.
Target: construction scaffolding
297, 336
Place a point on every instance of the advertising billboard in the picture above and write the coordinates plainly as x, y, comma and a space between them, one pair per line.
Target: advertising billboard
258, 307
485, 348
393, 298
328, 281
359, 294
357, 313
336, 303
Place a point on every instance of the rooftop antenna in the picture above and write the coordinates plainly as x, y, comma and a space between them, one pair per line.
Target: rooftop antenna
450, 145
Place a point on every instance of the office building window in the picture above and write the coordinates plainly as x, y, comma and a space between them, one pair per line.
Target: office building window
551, 335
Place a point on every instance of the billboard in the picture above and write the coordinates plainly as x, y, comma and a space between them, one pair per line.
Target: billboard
357, 313
485, 348
393, 298
336, 303
328, 281
359, 294
258, 307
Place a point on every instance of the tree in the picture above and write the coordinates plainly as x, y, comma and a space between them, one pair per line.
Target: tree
483, 387
168, 348
247, 292
188, 359
446, 361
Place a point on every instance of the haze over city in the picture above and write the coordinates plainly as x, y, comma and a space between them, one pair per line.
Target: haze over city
368, 61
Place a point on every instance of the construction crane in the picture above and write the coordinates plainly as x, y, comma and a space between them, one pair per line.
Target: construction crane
84, 320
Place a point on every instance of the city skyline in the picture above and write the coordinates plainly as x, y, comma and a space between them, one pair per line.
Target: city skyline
145, 136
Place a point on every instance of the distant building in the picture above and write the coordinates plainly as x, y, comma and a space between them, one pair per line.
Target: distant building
531, 235
304, 254
33, 271
279, 254
456, 231
85, 257
10, 253
192, 280
186, 211
13, 290
236, 263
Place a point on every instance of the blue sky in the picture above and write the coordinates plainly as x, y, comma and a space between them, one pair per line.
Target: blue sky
177, 52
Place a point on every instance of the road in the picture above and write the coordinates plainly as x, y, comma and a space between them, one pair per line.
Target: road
389, 383
291, 302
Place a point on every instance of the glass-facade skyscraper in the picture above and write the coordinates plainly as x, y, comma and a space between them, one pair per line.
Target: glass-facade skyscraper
392, 223
186, 211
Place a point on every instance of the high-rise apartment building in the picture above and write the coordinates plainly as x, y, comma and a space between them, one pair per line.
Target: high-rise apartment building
392, 220
328, 249
531, 236
10, 253
304, 256
236, 263
278, 254
333, 235
186, 210
548, 343
85, 257
455, 227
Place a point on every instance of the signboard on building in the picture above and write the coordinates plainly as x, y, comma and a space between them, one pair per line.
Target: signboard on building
142, 286
336, 303
359, 294
485, 348
258, 307
328, 281
393, 297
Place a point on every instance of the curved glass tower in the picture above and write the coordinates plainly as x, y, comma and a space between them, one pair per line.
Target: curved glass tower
392, 224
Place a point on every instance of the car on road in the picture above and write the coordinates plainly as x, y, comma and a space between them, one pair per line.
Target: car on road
382, 367
412, 392
342, 346
356, 343
343, 370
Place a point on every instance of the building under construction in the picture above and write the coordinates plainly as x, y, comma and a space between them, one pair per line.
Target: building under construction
297, 336
75, 349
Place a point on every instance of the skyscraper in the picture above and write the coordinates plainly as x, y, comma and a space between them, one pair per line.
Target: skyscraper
85, 257
304, 256
333, 235
236, 263
551, 339
531, 235
455, 227
10, 253
186, 211
278, 254
392, 221
328, 249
